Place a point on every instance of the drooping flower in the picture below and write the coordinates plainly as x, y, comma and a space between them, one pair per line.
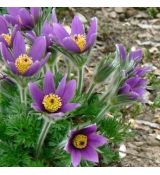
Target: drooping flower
77, 40
134, 88
51, 100
6, 35
83, 143
47, 30
132, 55
25, 18
22, 62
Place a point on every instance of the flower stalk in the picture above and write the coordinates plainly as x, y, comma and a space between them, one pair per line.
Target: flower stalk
42, 136
80, 79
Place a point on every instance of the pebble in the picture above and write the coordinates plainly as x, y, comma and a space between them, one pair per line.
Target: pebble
113, 14
119, 9
151, 141
130, 13
139, 143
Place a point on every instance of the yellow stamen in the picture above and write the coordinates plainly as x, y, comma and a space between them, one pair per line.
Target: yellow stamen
80, 141
7, 38
52, 102
80, 40
23, 63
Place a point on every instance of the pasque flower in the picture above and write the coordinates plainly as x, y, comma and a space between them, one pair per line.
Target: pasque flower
6, 35
77, 40
23, 62
47, 30
133, 55
24, 17
51, 100
83, 143
134, 88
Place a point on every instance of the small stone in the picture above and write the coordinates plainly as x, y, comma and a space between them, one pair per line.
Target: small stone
113, 14
152, 141
130, 13
122, 17
139, 143
142, 15
119, 9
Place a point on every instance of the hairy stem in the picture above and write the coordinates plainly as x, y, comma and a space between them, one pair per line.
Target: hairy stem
80, 79
42, 136
23, 94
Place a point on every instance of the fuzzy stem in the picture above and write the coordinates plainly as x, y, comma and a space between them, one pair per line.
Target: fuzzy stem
42, 136
80, 79
22, 92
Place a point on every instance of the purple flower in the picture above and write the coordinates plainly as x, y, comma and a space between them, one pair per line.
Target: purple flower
141, 71
6, 36
83, 143
133, 55
76, 41
47, 30
53, 101
25, 18
24, 62
134, 88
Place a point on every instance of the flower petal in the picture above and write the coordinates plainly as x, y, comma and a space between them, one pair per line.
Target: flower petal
36, 13
69, 44
6, 53
45, 59
13, 67
90, 154
36, 93
37, 107
69, 107
34, 68
14, 11
54, 16
77, 26
25, 18
121, 51
92, 30
89, 129
18, 45
59, 32
69, 91
39, 48
76, 157
96, 140
13, 20
61, 87
48, 84
15, 30
3, 26
136, 55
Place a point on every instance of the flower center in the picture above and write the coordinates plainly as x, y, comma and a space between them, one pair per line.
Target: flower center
23, 63
52, 102
80, 40
80, 141
7, 38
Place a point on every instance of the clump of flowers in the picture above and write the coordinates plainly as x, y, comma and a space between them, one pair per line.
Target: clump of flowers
76, 129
